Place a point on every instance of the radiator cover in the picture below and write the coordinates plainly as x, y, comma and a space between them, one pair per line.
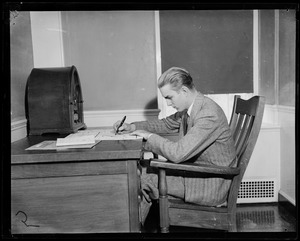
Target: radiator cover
256, 191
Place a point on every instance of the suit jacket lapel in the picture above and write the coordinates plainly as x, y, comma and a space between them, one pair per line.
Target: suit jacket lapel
196, 108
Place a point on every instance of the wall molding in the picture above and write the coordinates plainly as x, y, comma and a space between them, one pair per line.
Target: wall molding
108, 118
286, 109
287, 197
18, 129
272, 112
282, 108
93, 119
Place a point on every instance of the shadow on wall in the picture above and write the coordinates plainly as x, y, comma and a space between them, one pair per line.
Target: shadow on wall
151, 105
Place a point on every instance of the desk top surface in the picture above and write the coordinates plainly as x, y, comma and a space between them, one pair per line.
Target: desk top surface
104, 150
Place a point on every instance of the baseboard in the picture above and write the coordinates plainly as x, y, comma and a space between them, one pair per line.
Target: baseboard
286, 204
283, 197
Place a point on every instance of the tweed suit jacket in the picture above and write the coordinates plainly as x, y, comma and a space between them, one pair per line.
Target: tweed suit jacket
207, 141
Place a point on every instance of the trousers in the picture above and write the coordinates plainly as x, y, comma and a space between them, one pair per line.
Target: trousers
149, 188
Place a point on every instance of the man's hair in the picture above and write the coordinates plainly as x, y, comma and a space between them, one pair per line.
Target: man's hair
176, 77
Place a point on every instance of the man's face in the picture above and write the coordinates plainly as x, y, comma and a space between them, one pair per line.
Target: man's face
176, 99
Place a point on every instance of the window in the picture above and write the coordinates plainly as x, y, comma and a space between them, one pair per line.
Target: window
215, 46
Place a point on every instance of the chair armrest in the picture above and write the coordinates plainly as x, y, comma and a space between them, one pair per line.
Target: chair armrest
193, 167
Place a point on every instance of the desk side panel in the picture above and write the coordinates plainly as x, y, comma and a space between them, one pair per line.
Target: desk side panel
74, 204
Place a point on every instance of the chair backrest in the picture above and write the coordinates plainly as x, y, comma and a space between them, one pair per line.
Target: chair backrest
233, 114
245, 124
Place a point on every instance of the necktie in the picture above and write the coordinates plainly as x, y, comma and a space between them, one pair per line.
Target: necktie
185, 122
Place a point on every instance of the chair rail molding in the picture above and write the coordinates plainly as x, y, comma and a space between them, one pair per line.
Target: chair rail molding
108, 118
273, 112
93, 119
18, 129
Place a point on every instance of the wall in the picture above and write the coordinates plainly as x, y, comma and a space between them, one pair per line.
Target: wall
114, 53
286, 57
286, 120
21, 62
122, 71
36, 42
47, 35
21, 65
277, 74
286, 23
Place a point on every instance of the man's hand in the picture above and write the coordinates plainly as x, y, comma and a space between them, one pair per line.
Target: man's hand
142, 133
125, 128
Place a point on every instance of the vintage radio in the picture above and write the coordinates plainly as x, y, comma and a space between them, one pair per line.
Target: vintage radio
54, 101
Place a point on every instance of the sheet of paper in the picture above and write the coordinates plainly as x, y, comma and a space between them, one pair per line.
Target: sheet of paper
103, 134
109, 134
80, 133
45, 145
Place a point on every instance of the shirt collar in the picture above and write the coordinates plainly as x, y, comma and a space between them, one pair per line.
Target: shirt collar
190, 109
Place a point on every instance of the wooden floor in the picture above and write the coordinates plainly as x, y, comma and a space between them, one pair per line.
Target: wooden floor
276, 219
271, 221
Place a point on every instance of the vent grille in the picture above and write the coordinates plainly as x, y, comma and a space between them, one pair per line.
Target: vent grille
258, 190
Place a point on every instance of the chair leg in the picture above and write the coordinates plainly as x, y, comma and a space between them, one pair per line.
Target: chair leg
163, 202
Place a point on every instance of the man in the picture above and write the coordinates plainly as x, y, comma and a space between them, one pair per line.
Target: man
204, 138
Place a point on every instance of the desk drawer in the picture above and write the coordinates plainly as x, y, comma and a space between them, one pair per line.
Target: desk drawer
35, 170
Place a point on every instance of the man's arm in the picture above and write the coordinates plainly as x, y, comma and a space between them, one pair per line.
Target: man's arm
170, 124
205, 131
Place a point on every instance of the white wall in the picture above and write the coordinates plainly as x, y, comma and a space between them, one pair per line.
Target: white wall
47, 52
47, 39
286, 120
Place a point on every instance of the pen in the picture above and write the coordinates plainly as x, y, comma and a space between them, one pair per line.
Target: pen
120, 124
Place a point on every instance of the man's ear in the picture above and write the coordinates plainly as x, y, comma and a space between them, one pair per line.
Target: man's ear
185, 89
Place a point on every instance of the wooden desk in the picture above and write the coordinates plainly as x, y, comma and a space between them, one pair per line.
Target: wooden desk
75, 191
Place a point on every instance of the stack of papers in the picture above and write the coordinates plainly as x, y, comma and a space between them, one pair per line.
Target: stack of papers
76, 140
84, 138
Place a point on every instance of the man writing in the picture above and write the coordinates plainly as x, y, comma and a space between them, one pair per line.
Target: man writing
204, 137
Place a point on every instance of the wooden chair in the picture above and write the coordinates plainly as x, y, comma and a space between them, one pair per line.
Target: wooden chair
245, 124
